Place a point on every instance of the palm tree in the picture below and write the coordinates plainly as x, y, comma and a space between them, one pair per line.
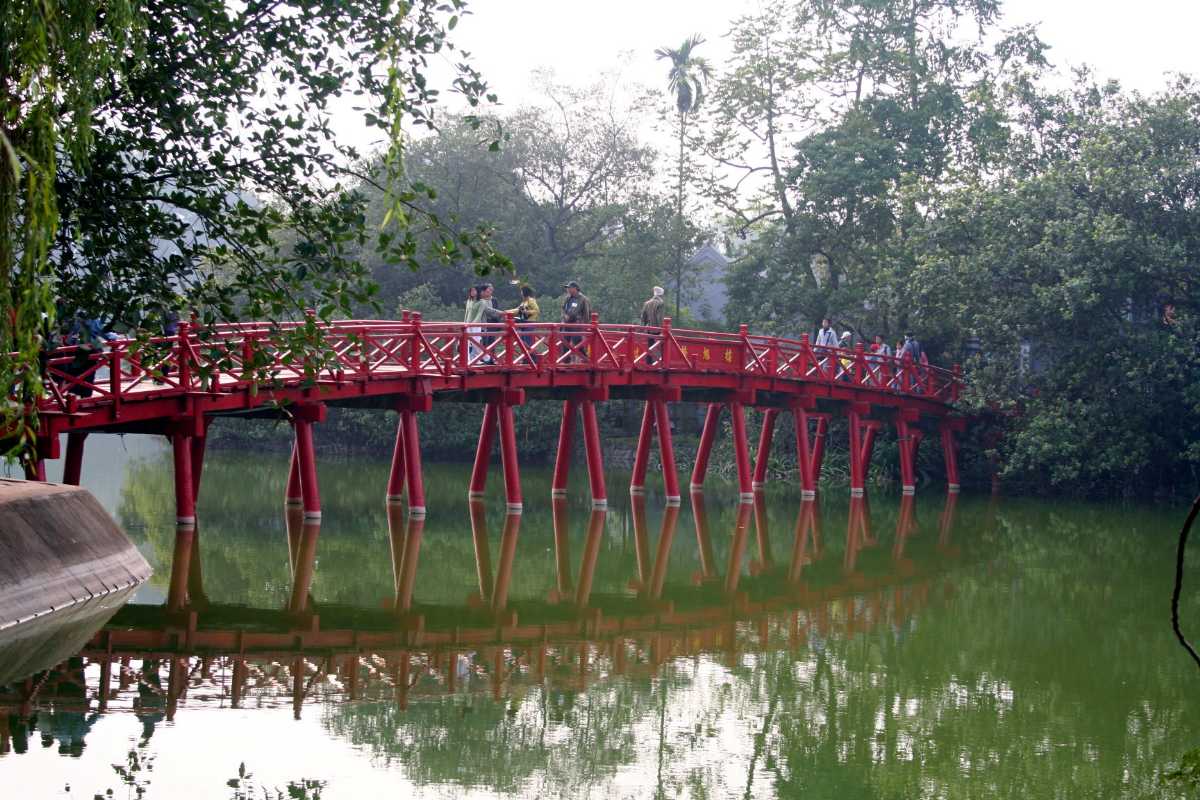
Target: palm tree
687, 79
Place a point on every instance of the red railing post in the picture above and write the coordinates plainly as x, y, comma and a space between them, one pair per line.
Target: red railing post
114, 377
594, 347
464, 349
631, 349
744, 336
415, 335
665, 346
185, 369
956, 384
859, 364
364, 361
510, 339
552, 346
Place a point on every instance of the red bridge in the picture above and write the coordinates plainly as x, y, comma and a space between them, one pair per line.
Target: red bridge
175, 386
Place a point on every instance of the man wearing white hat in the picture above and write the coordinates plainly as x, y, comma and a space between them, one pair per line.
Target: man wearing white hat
652, 317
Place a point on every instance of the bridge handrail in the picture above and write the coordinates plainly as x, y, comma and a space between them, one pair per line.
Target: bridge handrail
232, 357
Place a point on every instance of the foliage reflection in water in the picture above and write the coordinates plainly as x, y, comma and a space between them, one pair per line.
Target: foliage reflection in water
937, 647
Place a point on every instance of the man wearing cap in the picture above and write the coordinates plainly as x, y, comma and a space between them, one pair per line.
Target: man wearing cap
576, 310
652, 317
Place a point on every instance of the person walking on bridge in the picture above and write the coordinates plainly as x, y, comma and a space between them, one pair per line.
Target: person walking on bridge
826, 336
576, 312
652, 317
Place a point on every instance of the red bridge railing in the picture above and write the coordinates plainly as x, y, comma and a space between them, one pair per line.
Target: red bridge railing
238, 357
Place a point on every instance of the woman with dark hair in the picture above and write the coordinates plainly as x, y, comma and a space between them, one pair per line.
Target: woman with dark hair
472, 316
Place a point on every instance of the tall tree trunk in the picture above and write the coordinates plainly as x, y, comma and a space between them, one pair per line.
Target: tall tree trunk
679, 222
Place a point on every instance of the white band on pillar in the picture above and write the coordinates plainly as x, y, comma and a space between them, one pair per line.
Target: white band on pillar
395, 498
475, 495
954, 487
515, 507
558, 492
185, 522
599, 502
909, 490
673, 500
746, 497
416, 511
696, 487
293, 501
637, 490
856, 492
312, 514
807, 494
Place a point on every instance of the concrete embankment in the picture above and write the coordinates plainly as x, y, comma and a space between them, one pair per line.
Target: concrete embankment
59, 549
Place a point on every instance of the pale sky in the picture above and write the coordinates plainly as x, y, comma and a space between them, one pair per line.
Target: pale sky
1133, 42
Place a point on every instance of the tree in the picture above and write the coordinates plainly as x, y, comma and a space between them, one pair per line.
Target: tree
686, 80
1092, 237
834, 130
210, 178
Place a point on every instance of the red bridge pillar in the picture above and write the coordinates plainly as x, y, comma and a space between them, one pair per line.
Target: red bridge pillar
657, 419
712, 422
949, 427
483, 451
764, 447
591, 443
414, 477
595, 457
499, 414
304, 457
741, 446
862, 441
73, 467
741, 452
566, 439
810, 447
185, 501
908, 439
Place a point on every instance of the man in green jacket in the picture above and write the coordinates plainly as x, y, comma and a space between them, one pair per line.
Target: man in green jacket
576, 312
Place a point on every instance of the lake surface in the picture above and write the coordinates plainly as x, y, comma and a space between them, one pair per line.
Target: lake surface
951, 647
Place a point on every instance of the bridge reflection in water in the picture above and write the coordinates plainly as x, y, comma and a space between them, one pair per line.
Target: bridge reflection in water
787, 594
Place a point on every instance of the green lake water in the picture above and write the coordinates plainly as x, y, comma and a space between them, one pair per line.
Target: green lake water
948, 648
